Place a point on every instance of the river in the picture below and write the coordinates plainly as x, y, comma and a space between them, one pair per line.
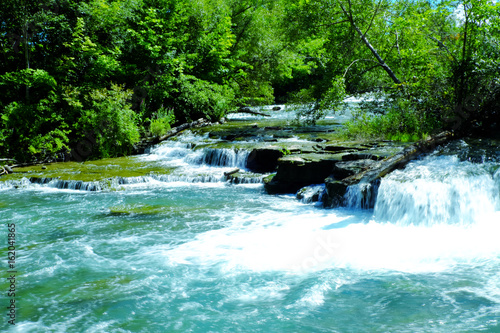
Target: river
189, 252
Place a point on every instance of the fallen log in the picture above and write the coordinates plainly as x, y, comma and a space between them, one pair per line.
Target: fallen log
399, 160
232, 172
177, 130
336, 189
247, 110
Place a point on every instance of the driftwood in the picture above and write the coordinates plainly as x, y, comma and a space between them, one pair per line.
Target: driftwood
382, 168
177, 130
336, 189
247, 110
232, 172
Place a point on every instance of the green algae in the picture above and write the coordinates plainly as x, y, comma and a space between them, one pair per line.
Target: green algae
138, 209
99, 170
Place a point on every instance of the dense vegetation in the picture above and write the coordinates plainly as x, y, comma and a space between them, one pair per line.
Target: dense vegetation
97, 75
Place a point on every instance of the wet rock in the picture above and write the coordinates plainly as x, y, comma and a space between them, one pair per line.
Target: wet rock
345, 169
311, 193
243, 178
264, 159
362, 156
232, 172
295, 172
337, 149
276, 108
335, 191
40, 180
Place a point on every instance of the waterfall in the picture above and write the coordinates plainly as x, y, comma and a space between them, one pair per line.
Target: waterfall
361, 196
439, 190
186, 153
183, 162
221, 157
76, 185
313, 193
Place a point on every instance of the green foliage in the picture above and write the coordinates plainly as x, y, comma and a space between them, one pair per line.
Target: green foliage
400, 123
179, 61
33, 128
313, 103
160, 124
201, 99
285, 151
29, 84
107, 118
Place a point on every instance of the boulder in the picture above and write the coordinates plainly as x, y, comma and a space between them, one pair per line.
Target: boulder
297, 171
346, 169
334, 190
264, 159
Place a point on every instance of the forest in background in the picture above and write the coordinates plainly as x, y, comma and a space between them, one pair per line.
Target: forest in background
127, 69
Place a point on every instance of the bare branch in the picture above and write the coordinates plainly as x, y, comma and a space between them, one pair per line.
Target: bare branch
440, 43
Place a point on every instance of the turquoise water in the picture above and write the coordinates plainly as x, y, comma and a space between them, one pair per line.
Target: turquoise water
176, 256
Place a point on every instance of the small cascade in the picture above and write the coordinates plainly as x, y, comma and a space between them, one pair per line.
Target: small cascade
76, 185
439, 190
361, 196
187, 153
220, 157
310, 194
197, 178
10, 184
40, 180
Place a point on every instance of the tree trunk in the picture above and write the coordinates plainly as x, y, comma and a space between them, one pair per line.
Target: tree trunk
380, 61
375, 53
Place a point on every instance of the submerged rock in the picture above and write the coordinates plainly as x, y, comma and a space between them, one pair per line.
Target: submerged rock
243, 178
311, 193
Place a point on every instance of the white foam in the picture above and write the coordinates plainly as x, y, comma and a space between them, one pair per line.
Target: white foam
438, 190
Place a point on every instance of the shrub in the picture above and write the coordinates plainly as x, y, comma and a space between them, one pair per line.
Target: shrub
160, 124
109, 120
202, 99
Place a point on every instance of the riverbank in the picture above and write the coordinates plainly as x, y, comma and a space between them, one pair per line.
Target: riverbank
255, 144
259, 147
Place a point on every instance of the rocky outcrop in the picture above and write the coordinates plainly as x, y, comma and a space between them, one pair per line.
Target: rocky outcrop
264, 160
351, 175
297, 171
368, 179
242, 178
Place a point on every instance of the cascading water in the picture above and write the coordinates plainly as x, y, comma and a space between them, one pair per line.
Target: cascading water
181, 162
439, 190
165, 255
